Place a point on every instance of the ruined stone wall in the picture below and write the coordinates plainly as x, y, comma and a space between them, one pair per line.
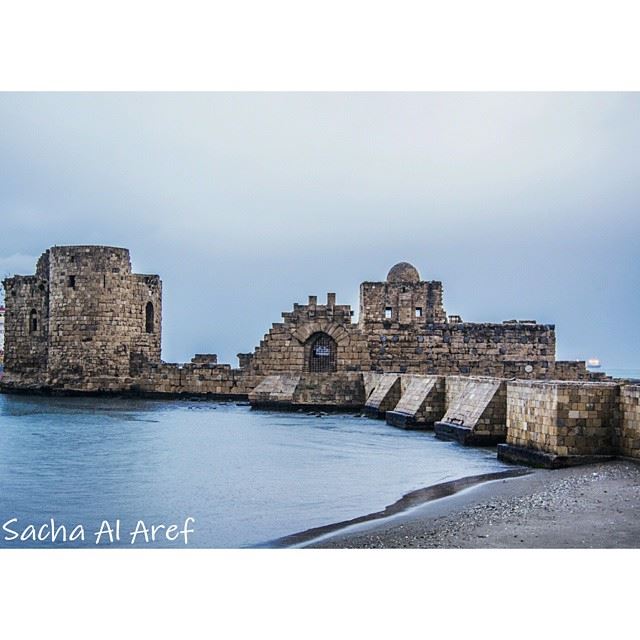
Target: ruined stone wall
286, 347
85, 322
403, 328
311, 390
407, 331
501, 350
26, 329
193, 379
563, 418
93, 323
89, 335
145, 290
629, 432
326, 389
573, 370
522, 350
405, 303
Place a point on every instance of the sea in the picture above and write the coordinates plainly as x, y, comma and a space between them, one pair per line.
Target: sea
201, 474
627, 374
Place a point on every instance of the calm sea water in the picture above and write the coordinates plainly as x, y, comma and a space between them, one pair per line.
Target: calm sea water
246, 477
621, 373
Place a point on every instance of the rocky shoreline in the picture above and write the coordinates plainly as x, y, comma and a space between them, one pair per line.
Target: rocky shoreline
593, 506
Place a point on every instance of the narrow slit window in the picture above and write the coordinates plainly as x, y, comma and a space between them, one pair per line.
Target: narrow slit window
418, 312
148, 318
72, 282
33, 321
387, 312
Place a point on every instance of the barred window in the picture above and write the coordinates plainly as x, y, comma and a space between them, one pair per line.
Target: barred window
321, 353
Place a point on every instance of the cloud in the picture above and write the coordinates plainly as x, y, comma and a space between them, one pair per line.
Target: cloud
18, 263
523, 204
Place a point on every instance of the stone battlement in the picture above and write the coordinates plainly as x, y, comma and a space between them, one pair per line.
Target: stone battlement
85, 322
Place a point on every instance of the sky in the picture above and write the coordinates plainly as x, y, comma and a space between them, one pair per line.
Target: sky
524, 205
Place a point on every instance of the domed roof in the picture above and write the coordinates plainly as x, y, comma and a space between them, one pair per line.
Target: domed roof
403, 272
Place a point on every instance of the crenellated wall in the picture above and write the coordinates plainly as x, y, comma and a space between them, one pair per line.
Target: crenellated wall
286, 347
403, 328
85, 322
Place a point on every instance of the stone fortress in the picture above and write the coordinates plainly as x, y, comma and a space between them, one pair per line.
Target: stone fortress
75, 324
84, 323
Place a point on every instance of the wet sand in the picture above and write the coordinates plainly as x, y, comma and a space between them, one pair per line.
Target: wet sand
594, 506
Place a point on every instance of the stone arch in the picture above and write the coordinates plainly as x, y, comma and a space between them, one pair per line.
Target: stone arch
149, 317
333, 329
321, 353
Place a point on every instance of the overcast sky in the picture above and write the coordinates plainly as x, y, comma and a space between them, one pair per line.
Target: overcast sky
524, 205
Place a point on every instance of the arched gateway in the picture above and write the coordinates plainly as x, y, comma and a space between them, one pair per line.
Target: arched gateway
321, 353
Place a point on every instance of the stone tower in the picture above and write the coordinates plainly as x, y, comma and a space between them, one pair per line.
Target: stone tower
403, 299
83, 321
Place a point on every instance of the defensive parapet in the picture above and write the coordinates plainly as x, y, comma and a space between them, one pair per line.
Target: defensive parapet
84, 322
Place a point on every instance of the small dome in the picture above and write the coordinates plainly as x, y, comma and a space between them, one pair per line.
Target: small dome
403, 272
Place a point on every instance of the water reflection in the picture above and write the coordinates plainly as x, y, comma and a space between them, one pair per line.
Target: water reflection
245, 476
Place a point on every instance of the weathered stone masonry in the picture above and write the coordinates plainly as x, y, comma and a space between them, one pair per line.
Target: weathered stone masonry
85, 323
82, 322
403, 328
557, 423
550, 423
628, 435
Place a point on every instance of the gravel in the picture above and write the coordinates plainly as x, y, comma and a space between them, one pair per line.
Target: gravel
595, 506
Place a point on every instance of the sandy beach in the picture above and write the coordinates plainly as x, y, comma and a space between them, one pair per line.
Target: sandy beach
593, 506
